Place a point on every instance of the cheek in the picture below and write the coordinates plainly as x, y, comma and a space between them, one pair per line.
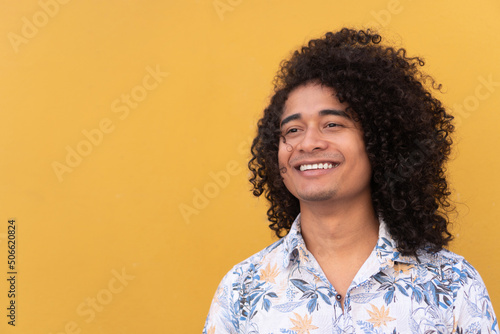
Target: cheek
358, 153
284, 153
283, 159
364, 162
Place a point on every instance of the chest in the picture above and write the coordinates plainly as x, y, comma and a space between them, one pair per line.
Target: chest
385, 303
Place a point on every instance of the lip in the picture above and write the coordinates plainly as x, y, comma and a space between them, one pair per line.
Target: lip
313, 173
312, 162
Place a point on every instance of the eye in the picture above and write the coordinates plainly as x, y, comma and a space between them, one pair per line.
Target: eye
332, 125
291, 130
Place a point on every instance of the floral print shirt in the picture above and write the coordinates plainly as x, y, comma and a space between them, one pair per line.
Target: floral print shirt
282, 289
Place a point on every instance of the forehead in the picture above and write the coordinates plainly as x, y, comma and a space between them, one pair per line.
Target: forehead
311, 98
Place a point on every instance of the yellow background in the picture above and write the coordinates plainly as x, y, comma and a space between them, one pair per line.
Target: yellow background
118, 211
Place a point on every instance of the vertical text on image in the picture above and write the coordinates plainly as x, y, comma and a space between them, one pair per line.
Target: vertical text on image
12, 271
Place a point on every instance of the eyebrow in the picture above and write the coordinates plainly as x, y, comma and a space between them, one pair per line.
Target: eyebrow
323, 112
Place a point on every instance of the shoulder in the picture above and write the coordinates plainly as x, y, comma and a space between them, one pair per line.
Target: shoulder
444, 257
447, 268
240, 289
252, 267
462, 281
472, 307
447, 261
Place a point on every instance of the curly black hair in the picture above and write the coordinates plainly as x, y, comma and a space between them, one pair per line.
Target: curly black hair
407, 134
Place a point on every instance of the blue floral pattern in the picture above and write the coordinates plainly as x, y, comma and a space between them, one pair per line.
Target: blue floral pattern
282, 289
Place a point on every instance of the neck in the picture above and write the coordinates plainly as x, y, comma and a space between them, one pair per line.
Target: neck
341, 235
339, 231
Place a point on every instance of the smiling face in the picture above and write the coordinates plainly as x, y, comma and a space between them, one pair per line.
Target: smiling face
322, 154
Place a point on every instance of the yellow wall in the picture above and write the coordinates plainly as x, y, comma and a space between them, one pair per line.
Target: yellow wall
102, 245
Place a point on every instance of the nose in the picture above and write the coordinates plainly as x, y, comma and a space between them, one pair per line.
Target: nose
311, 140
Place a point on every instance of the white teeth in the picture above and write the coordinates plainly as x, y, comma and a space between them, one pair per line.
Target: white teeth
317, 166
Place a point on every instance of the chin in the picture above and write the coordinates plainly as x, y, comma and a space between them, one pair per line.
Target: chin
316, 196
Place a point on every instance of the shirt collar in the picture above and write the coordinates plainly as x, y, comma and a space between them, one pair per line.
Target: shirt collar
385, 250
293, 243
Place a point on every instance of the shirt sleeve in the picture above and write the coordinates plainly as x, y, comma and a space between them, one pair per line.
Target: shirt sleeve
473, 310
222, 317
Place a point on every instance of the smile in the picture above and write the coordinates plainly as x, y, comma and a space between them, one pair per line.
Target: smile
325, 165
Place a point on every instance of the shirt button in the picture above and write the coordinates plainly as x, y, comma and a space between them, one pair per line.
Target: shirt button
338, 297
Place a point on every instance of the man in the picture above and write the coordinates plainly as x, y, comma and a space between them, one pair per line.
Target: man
351, 155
